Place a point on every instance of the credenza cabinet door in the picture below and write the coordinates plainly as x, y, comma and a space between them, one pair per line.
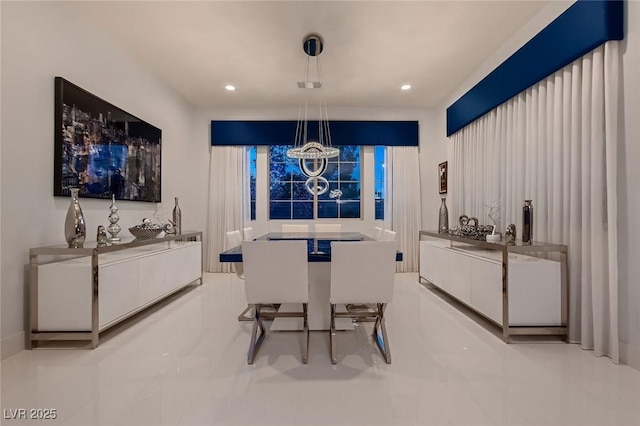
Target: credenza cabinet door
458, 282
163, 273
118, 290
64, 292
486, 288
535, 293
433, 259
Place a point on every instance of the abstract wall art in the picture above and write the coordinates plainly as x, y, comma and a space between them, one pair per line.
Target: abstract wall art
103, 150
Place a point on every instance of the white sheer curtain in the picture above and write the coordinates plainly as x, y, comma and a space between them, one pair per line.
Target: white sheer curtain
228, 200
404, 214
556, 144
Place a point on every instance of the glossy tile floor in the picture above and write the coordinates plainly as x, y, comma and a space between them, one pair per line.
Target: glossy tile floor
184, 364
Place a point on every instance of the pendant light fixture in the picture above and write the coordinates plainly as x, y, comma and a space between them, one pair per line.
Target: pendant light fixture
306, 147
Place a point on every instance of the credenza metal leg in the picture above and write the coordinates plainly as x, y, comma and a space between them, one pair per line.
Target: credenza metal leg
332, 336
95, 301
305, 351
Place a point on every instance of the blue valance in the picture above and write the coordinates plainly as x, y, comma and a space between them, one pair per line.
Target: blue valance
581, 28
343, 132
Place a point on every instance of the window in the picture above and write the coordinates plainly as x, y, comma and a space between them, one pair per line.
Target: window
289, 198
252, 180
379, 180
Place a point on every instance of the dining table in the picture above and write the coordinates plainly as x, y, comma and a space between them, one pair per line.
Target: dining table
319, 258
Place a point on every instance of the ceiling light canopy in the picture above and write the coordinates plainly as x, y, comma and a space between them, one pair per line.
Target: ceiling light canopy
405, 87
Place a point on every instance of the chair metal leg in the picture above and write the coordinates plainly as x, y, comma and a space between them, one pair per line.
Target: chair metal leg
255, 344
305, 351
247, 314
332, 336
382, 341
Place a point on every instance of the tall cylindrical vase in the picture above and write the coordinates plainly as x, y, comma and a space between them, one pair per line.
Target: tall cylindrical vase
177, 218
75, 230
527, 222
443, 217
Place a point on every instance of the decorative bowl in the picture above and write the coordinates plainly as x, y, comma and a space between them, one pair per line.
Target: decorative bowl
145, 232
469, 231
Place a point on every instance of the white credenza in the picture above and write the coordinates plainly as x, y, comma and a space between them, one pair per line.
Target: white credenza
520, 287
77, 293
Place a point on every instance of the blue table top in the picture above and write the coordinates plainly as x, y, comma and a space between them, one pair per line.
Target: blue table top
319, 244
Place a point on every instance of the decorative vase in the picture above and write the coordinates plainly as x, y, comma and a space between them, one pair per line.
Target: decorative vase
527, 222
177, 218
75, 230
443, 217
510, 234
101, 237
114, 217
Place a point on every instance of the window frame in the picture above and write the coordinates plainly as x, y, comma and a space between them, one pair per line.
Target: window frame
315, 201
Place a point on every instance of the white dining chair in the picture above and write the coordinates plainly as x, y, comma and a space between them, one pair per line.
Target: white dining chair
388, 235
234, 239
327, 227
362, 272
276, 272
295, 227
248, 234
377, 233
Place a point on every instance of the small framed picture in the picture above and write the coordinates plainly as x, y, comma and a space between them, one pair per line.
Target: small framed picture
442, 177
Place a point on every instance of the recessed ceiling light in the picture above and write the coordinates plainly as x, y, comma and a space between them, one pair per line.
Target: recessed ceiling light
405, 87
230, 87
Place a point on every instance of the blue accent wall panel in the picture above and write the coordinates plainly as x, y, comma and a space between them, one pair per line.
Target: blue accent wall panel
581, 28
388, 133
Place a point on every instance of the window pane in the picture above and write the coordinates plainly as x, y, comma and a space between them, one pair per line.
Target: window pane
379, 209
349, 209
325, 197
350, 191
379, 184
252, 180
295, 173
327, 209
379, 189
332, 172
280, 191
280, 210
277, 172
303, 210
300, 192
350, 171
350, 153
278, 153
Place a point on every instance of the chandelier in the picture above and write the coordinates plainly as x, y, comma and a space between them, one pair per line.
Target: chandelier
304, 148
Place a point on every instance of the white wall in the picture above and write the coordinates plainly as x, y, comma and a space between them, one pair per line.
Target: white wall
629, 158
432, 151
39, 41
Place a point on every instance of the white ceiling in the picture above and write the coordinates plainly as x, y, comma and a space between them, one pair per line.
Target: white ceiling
370, 47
